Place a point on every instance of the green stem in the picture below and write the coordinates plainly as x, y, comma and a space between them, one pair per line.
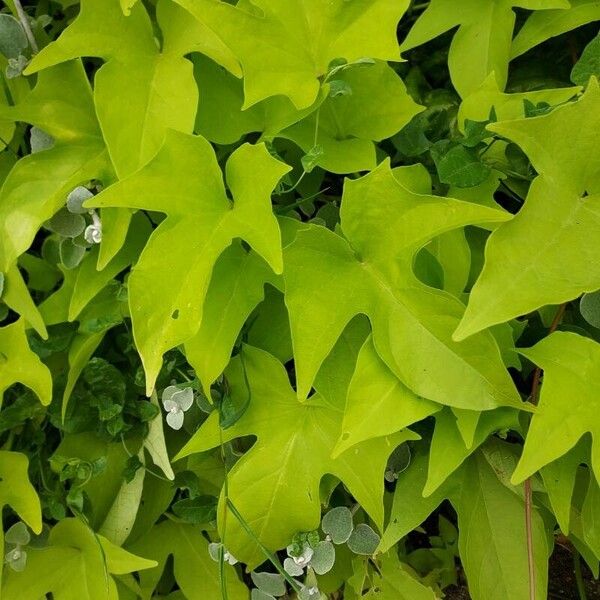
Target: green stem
579, 575
26, 27
268, 554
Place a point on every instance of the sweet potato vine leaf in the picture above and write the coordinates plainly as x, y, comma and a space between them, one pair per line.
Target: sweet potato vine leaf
77, 564
168, 284
285, 46
275, 485
196, 573
544, 255
482, 43
329, 279
60, 104
18, 363
569, 401
155, 90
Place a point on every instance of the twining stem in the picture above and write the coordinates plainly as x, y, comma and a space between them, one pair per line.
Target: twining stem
535, 392
26, 27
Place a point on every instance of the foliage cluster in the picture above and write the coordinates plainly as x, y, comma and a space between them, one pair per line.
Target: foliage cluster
298, 298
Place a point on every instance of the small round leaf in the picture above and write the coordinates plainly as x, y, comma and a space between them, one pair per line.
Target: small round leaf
66, 224
324, 558
363, 540
39, 140
260, 595
71, 254
76, 199
12, 36
269, 583
337, 523
590, 308
291, 568
18, 534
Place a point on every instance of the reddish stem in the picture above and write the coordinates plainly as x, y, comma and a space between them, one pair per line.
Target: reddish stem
535, 392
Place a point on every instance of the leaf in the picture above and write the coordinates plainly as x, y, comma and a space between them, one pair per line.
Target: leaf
12, 37
220, 117
482, 43
370, 272
90, 280
589, 306
568, 401
19, 364
155, 443
477, 105
17, 492
589, 516
410, 508
77, 564
363, 540
562, 205
378, 403
492, 543
294, 444
37, 187
307, 37
121, 516
559, 481
589, 64
448, 447
16, 296
543, 25
156, 90
269, 583
236, 288
460, 167
184, 181
196, 573
337, 523
347, 126
394, 581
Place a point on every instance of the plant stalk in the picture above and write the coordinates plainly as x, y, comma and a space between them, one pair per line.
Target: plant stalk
535, 392
26, 27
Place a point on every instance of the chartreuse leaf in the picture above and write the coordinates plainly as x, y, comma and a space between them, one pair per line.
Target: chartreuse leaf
155, 443
38, 185
561, 211
482, 43
285, 46
16, 296
19, 364
89, 280
371, 272
410, 507
378, 403
559, 482
236, 288
568, 401
77, 564
542, 26
448, 449
491, 541
196, 573
17, 492
220, 117
395, 581
347, 125
292, 454
589, 63
156, 91
478, 105
185, 182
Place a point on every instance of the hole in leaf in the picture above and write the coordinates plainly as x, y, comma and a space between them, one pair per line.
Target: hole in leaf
175, 314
